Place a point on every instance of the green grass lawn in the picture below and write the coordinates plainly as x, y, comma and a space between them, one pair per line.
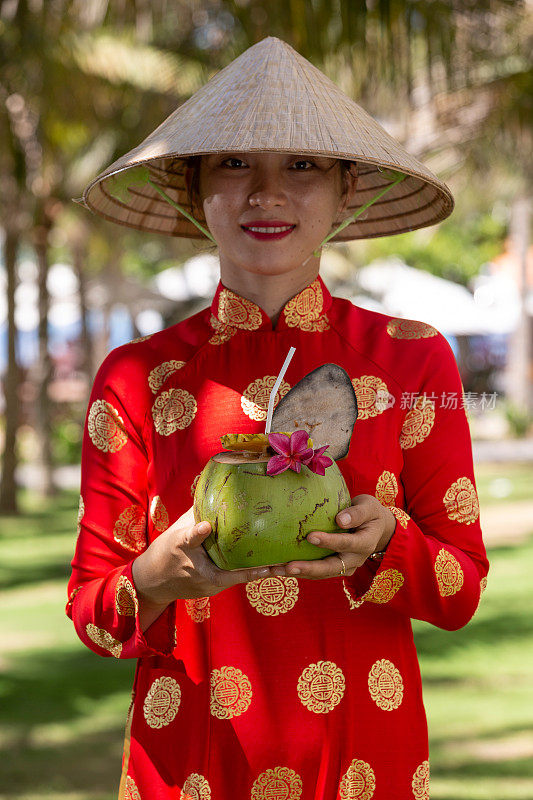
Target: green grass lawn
63, 708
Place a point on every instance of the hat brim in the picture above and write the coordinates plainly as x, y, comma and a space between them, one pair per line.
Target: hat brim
413, 203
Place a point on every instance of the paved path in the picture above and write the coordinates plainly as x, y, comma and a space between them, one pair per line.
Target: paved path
503, 450
507, 523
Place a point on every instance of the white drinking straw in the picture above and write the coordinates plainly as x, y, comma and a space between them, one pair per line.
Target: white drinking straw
275, 388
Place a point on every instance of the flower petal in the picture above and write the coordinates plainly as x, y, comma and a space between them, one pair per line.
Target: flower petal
277, 464
295, 464
319, 463
317, 468
280, 442
299, 441
320, 450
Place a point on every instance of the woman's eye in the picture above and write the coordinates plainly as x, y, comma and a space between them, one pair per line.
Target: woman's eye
300, 165
233, 163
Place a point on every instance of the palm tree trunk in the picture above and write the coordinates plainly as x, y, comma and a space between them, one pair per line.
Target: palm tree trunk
8, 485
44, 367
520, 361
79, 253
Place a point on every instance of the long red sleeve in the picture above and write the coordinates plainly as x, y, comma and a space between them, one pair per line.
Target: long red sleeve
114, 519
435, 562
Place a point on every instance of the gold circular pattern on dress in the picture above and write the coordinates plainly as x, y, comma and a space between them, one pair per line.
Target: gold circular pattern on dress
126, 601
372, 396
198, 609
449, 573
194, 483
159, 514
130, 529
162, 702
358, 782
401, 515
103, 639
159, 374
81, 512
387, 488
461, 501
384, 586
73, 594
304, 310
106, 427
273, 596
131, 792
321, 687
173, 410
418, 422
238, 311
141, 339
385, 685
353, 603
315, 325
231, 692
410, 329
196, 787
420, 782
254, 400
223, 333
280, 783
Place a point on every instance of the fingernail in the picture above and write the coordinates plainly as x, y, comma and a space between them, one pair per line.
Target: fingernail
313, 539
262, 573
344, 519
203, 527
293, 571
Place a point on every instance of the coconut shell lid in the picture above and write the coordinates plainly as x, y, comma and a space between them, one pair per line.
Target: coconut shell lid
324, 404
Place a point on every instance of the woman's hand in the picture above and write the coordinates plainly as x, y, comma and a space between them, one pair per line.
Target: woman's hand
176, 565
370, 525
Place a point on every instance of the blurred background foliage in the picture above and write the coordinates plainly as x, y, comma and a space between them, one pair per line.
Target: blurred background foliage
83, 81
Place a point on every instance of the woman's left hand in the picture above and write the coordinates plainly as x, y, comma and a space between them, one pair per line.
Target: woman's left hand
369, 527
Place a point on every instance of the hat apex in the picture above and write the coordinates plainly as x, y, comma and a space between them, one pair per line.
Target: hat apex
270, 98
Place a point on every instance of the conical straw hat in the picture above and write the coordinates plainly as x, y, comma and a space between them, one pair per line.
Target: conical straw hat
270, 98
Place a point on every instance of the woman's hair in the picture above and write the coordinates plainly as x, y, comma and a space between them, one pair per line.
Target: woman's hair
193, 191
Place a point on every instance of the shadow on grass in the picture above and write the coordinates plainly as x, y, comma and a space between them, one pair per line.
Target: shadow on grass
38, 544
88, 763
54, 687
42, 516
30, 574
483, 769
435, 643
61, 689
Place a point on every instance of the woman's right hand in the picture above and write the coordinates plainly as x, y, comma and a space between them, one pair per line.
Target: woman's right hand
176, 566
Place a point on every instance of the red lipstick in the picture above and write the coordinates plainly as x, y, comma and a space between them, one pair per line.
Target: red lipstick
267, 230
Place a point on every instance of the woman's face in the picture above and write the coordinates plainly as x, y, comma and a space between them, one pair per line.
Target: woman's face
303, 195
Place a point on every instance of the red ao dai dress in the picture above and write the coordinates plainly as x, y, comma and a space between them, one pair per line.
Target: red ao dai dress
281, 689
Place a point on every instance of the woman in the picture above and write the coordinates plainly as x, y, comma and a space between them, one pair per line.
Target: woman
298, 680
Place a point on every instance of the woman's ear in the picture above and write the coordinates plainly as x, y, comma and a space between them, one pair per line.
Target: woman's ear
191, 194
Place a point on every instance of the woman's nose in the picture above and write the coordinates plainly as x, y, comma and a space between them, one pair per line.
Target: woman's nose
267, 193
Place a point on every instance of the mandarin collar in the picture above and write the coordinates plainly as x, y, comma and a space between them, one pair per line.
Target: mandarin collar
307, 310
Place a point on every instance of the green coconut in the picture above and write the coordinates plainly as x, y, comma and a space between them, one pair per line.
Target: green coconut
259, 519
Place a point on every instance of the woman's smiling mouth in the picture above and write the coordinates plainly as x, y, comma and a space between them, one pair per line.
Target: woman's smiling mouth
273, 229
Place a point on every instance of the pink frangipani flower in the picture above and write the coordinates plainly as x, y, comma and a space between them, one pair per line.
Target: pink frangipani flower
319, 462
293, 452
